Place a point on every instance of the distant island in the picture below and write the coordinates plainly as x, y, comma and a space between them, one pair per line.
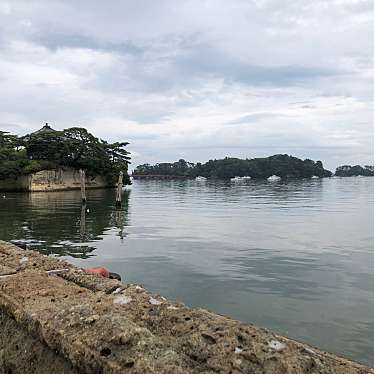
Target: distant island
48, 159
283, 166
355, 171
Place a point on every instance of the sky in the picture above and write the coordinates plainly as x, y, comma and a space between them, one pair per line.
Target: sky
195, 79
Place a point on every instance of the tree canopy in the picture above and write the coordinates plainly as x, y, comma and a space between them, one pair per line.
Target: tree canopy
74, 147
353, 171
284, 166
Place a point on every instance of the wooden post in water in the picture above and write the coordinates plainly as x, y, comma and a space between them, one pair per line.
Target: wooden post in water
83, 185
119, 190
83, 222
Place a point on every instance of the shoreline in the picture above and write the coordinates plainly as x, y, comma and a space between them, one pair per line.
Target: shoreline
74, 322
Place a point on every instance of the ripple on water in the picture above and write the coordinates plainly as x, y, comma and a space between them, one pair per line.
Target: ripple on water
295, 257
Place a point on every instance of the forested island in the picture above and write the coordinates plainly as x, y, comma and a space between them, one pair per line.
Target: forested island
355, 171
284, 166
73, 148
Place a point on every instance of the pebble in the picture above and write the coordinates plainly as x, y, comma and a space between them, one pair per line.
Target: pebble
277, 345
24, 260
92, 319
154, 301
122, 300
116, 291
310, 351
172, 307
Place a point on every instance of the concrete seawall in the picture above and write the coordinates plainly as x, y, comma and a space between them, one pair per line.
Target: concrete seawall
73, 322
52, 180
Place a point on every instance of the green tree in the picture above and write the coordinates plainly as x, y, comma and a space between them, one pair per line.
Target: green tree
284, 166
74, 147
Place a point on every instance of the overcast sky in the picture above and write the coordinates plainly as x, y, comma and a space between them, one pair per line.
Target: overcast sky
195, 79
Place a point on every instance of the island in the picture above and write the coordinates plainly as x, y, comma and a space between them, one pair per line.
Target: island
50, 160
282, 165
355, 171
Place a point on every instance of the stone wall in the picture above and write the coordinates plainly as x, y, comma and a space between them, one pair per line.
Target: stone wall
56, 318
51, 180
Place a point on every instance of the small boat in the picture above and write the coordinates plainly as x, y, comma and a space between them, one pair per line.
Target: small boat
274, 178
236, 179
315, 177
200, 179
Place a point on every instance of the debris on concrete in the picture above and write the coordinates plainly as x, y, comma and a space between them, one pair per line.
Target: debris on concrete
154, 301
55, 271
122, 300
23, 260
276, 345
117, 291
172, 307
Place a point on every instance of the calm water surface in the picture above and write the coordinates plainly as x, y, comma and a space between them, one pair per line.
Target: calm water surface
294, 257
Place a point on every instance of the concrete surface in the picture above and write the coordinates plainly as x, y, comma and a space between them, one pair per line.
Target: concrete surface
73, 322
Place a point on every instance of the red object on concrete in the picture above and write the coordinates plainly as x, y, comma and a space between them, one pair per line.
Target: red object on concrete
99, 270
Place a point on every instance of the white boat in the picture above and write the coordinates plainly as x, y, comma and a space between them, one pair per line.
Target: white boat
236, 179
200, 179
274, 178
315, 177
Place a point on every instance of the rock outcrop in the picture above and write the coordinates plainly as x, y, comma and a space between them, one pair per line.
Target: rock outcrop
52, 180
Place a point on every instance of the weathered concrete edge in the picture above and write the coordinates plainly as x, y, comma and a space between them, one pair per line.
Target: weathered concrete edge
214, 344
60, 179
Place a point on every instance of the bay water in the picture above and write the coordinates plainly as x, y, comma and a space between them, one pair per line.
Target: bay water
296, 257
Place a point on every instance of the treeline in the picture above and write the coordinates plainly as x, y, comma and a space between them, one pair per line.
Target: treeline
354, 171
49, 149
284, 166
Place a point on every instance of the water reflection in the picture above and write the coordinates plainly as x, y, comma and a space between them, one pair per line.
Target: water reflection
295, 257
60, 223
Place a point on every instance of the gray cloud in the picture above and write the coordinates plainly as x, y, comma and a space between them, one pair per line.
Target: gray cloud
255, 117
55, 41
207, 61
170, 77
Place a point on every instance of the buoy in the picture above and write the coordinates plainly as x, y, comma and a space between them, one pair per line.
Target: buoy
103, 272
99, 270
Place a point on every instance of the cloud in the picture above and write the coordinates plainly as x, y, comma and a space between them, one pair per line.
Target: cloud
255, 117
198, 79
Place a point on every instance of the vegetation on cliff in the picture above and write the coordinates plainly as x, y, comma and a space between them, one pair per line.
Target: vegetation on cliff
73, 147
353, 171
284, 166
